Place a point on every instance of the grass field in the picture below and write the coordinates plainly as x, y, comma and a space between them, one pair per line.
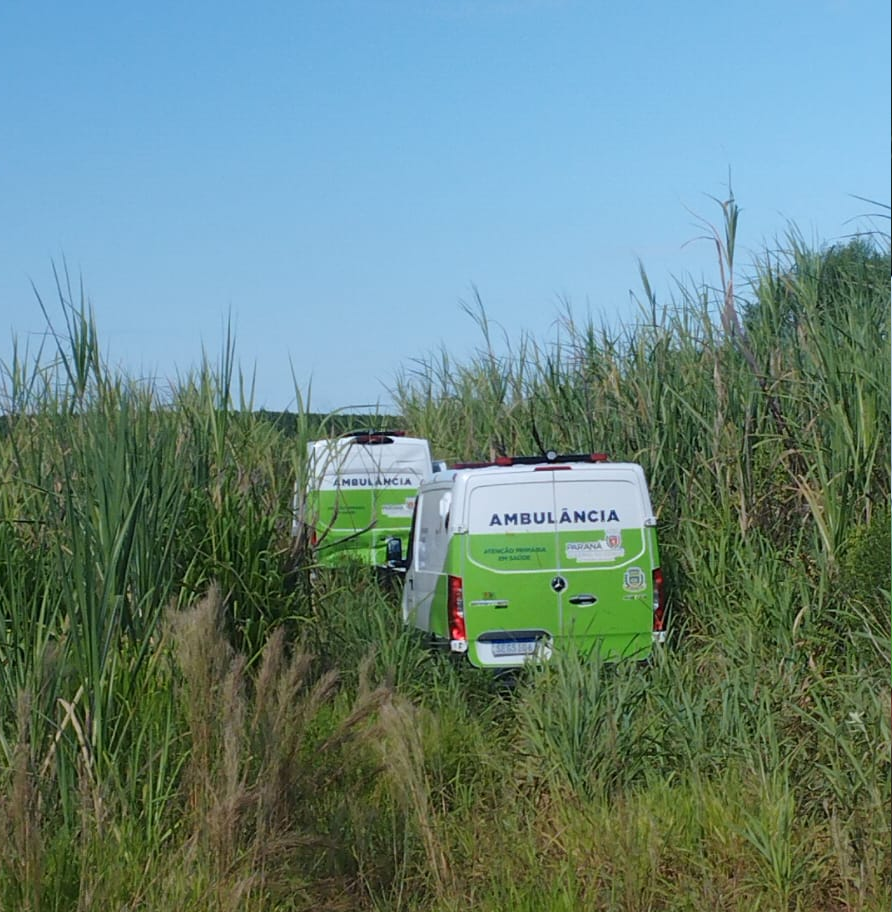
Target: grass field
188, 721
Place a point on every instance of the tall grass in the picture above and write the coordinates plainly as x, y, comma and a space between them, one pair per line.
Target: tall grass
181, 725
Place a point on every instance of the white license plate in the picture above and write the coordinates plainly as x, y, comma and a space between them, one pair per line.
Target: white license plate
513, 647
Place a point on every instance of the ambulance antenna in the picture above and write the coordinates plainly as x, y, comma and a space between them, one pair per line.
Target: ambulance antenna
535, 432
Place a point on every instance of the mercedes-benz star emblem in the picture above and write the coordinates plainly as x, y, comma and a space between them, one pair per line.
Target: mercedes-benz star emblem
558, 583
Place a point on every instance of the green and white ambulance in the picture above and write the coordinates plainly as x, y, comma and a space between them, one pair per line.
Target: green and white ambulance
510, 561
360, 494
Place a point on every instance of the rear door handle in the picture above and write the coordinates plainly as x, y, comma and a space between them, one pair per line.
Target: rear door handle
583, 599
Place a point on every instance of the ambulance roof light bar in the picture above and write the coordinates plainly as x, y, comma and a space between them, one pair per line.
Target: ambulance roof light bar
371, 436
373, 432
550, 457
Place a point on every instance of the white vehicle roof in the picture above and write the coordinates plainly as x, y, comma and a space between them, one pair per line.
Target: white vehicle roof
369, 453
602, 469
461, 481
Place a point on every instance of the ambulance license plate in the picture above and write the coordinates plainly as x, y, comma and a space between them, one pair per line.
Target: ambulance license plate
513, 647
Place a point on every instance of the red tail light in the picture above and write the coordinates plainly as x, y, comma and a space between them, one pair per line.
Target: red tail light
659, 607
456, 609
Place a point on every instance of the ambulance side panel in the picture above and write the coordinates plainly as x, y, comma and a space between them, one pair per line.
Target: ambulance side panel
424, 589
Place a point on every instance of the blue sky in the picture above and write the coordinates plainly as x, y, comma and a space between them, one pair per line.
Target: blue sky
336, 177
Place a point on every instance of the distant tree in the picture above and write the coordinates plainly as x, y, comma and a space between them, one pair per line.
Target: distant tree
818, 286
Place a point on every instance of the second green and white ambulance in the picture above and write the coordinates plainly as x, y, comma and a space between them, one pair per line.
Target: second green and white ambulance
360, 494
510, 561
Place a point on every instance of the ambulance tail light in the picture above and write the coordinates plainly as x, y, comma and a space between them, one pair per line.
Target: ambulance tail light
659, 628
458, 634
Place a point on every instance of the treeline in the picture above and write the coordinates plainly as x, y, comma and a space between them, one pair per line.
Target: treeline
321, 424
